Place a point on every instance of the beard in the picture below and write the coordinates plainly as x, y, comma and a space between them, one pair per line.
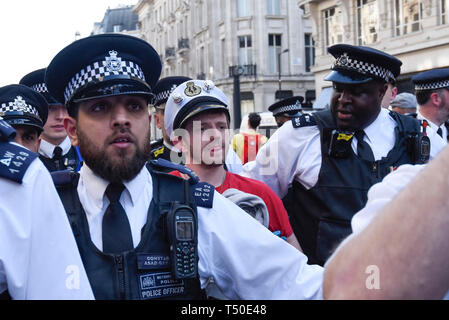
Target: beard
120, 167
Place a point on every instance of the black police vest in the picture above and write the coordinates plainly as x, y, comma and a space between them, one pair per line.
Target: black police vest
321, 216
69, 161
143, 273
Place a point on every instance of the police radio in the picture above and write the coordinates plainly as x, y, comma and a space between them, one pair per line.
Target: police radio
182, 231
340, 145
420, 145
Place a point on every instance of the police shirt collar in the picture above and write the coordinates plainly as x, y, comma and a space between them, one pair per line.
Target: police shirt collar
375, 127
96, 186
432, 125
46, 148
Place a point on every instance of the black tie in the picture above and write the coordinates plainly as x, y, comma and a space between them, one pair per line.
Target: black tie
363, 149
440, 132
116, 231
57, 153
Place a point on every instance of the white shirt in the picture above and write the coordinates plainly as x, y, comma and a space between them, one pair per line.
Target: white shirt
437, 141
39, 258
295, 153
245, 259
379, 195
46, 148
233, 162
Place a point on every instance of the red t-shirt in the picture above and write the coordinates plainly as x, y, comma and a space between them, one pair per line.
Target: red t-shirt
278, 215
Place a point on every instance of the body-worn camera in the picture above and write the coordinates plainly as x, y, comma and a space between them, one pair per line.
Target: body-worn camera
340, 145
182, 231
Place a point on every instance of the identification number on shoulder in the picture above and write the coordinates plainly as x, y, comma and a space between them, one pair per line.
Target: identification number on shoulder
14, 161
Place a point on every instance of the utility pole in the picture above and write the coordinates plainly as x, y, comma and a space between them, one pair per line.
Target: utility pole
279, 72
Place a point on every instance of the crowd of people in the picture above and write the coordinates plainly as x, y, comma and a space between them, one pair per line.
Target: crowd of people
90, 209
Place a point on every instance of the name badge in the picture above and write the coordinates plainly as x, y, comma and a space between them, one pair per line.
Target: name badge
147, 261
159, 285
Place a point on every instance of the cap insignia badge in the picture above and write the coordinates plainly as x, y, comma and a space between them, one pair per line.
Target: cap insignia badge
208, 85
19, 103
192, 89
177, 97
113, 63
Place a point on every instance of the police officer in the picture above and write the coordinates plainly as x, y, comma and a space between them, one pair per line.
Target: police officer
432, 94
330, 159
163, 148
26, 111
56, 150
123, 212
286, 109
38, 254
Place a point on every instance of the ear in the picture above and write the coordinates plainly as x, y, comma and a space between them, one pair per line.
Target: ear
394, 92
70, 127
157, 120
435, 98
39, 143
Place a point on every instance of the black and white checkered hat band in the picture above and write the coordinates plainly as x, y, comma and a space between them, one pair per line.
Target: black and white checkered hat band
13, 106
366, 68
284, 109
98, 70
432, 85
162, 96
40, 87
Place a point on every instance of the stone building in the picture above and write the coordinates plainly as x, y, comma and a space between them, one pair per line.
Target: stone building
415, 31
218, 39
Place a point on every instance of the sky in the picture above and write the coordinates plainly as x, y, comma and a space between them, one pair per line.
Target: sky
32, 32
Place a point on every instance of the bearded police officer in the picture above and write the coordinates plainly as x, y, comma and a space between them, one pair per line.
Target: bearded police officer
38, 254
432, 94
330, 158
26, 111
286, 109
55, 151
144, 234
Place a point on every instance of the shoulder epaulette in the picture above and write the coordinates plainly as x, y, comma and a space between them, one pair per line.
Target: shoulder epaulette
305, 120
203, 193
162, 163
14, 161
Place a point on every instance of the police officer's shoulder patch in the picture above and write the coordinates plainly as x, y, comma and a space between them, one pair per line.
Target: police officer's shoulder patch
14, 161
305, 120
203, 193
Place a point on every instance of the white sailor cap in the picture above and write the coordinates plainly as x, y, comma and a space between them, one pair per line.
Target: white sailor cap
191, 98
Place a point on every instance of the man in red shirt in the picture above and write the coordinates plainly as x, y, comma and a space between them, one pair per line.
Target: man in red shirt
198, 112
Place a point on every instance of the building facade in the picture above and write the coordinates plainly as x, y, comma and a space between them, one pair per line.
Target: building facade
415, 31
119, 20
267, 43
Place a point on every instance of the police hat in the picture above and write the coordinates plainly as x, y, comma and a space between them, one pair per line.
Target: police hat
21, 105
36, 81
431, 80
358, 64
164, 87
291, 105
101, 66
191, 98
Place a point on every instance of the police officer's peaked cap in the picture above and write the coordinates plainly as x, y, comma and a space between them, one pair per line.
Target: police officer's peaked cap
292, 106
36, 81
101, 66
431, 80
21, 105
359, 64
164, 87
189, 99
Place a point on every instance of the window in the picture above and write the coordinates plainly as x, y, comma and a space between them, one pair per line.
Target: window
273, 7
243, 8
367, 21
247, 102
245, 50
407, 16
274, 48
309, 45
444, 8
333, 25
117, 28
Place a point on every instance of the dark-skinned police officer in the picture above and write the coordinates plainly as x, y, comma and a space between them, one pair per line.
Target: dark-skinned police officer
142, 233
55, 151
330, 159
286, 109
163, 148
